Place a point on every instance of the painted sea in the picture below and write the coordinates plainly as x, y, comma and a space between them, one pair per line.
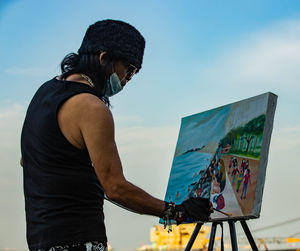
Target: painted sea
184, 173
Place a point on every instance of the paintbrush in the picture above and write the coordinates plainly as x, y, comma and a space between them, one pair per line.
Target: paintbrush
227, 214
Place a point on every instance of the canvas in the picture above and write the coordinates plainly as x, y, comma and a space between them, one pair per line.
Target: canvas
221, 154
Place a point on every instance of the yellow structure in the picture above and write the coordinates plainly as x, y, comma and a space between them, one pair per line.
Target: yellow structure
178, 238
180, 235
291, 240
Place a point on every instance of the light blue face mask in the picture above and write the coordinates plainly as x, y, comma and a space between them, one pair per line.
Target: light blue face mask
113, 85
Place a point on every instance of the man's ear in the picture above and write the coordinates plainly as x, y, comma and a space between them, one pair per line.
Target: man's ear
103, 58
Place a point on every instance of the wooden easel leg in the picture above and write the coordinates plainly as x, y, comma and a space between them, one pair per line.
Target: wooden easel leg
249, 235
233, 236
212, 236
193, 237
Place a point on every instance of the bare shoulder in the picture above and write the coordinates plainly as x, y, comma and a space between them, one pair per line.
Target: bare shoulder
89, 103
85, 115
92, 111
94, 117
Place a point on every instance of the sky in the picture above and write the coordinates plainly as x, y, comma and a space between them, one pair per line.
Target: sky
199, 55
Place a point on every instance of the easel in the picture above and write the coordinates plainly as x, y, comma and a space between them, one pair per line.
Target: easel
232, 235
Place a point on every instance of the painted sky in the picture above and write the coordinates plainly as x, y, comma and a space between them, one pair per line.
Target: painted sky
242, 112
199, 55
191, 134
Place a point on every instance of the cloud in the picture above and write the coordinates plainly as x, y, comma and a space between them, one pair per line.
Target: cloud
286, 139
11, 118
127, 121
268, 59
147, 154
28, 71
11, 192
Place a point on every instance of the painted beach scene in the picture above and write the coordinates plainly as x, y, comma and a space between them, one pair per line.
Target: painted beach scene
218, 156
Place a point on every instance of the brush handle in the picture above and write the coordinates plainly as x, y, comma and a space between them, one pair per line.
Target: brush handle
227, 214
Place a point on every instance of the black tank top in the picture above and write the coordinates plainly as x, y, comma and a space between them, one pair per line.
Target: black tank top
63, 196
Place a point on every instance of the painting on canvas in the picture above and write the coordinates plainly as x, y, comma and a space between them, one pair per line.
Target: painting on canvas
221, 154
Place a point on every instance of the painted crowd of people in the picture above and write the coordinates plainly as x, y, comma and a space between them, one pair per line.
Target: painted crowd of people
212, 181
242, 175
213, 178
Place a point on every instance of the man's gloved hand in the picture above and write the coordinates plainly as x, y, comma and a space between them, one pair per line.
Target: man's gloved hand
191, 210
194, 209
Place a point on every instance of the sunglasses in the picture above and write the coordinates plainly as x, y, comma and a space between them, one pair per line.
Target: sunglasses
131, 70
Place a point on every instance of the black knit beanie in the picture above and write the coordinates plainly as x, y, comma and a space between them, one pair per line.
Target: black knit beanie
117, 38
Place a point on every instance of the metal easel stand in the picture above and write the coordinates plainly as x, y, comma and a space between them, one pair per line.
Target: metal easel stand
232, 236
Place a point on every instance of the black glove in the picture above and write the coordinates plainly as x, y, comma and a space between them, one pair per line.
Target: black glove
194, 209
191, 210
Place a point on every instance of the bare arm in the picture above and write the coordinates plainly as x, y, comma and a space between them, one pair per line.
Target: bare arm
97, 129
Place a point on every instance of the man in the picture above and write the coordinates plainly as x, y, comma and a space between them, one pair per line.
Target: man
69, 154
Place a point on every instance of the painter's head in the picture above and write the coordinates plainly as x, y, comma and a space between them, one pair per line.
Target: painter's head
109, 46
119, 39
